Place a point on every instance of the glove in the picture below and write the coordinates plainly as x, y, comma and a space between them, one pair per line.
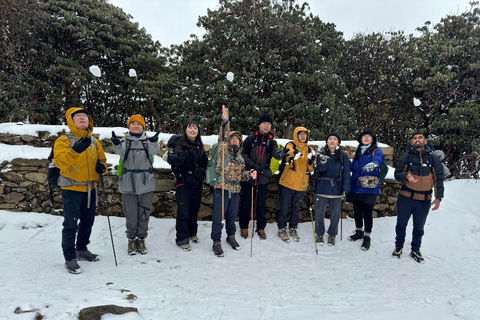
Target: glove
154, 138
297, 156
311, 155
323, 158
258, 168
344, 195
115, 140
82, 144
283, 154
369, 167
100, 168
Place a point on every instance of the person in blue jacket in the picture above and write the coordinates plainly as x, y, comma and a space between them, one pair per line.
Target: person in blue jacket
333, 183
365, 186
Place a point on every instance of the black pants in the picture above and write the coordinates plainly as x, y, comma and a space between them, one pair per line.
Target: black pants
407, 207
188, 205
77, 217
363, 212
260, 199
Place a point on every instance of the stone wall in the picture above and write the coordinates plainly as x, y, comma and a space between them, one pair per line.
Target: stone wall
24, 187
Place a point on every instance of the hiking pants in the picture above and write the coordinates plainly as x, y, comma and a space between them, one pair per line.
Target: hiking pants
335, 207
289, 198
363, 212
405, 208
75, 210
136, 208
259, 203
188, 205
231, 212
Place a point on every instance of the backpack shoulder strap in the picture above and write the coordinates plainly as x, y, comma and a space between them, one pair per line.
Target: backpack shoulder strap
128, 145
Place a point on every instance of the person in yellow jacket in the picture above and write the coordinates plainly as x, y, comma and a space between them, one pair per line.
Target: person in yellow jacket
294, 182
81, 159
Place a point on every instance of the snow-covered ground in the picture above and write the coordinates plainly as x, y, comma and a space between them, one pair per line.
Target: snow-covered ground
279, 281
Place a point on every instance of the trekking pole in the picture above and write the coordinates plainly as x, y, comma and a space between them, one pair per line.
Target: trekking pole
341, 220
251, 218
108, 218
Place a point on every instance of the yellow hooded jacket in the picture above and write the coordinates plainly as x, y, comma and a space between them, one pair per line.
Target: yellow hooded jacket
78, 166
297, 179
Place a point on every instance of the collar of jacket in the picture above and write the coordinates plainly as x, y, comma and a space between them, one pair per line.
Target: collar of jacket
268, 135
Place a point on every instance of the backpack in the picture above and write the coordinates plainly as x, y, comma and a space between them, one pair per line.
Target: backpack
171, 144
383, 169
211, 176
282, 165
128, 145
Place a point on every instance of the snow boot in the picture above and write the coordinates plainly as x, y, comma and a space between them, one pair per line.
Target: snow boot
72, 266
397, 252
320, 239
417, 256
244, 233
366, 243
231, 241
261, 234
331, 240
141, 248
294, 234
195, 239
86, 255
132, 246
217, 248
357, 235
282, 233
185, 247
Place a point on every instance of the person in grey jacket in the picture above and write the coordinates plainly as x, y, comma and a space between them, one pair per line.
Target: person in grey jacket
137, 181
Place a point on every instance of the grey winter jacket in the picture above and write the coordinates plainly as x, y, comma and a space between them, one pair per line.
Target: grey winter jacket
137, 174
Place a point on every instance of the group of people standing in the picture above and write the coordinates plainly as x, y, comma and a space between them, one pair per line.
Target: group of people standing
244, 168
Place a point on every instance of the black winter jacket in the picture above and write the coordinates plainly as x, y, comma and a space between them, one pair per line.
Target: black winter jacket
189, 165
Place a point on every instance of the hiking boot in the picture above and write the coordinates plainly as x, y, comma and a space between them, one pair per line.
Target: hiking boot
244, 233
294, 234
282, 233
357, 235
231, 241
141, 248
72, 266
417, 256
132, 246
261, 234
86, 255
397, 252
195, 239
319, 239
185, 247
331, 240
217, 248
366, 243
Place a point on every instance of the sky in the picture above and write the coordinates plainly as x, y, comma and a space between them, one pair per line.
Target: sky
264, 280
172, 22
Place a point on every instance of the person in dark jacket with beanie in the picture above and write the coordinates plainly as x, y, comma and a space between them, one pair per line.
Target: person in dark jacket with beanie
419, 170
365, 186
189, 161
258, 150
333, 183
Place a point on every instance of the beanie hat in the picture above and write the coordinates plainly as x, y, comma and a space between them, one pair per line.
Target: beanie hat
370, 132
138, 118
418, 132
335, 135
265, 118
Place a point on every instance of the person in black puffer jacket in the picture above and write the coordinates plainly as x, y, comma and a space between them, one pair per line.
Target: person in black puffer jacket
189, 161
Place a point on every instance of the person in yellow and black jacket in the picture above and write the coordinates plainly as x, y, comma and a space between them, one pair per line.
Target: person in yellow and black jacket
81, 159
419, 170
294, 182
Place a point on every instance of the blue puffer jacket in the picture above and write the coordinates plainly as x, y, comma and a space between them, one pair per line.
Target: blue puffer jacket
375, 156
331, 169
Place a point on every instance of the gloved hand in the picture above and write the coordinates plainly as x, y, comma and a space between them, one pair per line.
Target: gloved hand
115, 140
82, 144
258, 168
323, 158
297, 156
100, 168
311, 155
369, 167
344, 195
154, 138
283, 154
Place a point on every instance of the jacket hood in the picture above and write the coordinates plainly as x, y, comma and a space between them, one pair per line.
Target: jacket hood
71, 125
239, 136
295, 136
